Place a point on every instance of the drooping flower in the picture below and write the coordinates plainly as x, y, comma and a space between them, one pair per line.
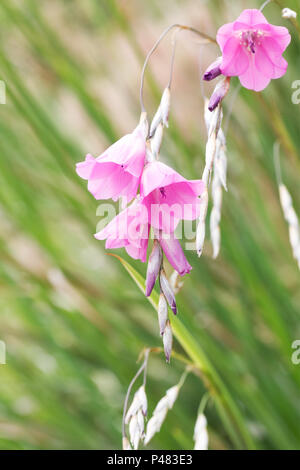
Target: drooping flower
117, 172
252, 49
129, 229
168, 196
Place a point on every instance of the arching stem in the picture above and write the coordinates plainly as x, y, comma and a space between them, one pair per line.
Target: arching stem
204, 36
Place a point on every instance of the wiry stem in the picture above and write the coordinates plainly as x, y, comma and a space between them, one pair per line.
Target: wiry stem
153, 49
141, 369
265, 4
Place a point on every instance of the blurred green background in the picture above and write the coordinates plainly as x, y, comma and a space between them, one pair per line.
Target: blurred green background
73, 321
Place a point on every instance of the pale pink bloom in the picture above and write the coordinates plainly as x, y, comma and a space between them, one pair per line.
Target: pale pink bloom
252, 49
168, 196
129, 229
175, 255
117, 172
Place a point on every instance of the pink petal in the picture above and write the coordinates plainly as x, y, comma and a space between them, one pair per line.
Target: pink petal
129, 152
281, 36
157, 174
168, 196
269, 61
224, 33
175, 254
84, 169
252, 17
138, 253
253, 79
129, 229
235, 59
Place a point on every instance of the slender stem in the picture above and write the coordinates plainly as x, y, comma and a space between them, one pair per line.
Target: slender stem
141, 369
265, 4
203, 403
173, 59
145, 366
153, 49
184, 376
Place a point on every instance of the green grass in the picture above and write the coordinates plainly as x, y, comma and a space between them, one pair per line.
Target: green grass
73, 320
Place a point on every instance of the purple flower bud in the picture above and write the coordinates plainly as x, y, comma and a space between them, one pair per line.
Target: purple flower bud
175, 255
213, 71
154, 264
219, 93
167, 291
168, 341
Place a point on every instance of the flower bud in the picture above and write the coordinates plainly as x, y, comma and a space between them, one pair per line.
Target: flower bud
143, 399
134, 432
167, 291
219, 93
200, 433
144, 125
162, 114
157, 140
213, 71
165, 106
154, 264
168, 341
288, 13
126, 444
162, 313
172, 395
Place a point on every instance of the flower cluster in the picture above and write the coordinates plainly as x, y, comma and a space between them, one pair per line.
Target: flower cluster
158, 198
155, 198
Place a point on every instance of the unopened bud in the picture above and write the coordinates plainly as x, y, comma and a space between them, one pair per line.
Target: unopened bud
141, 422
144, 125
168, 341
165, 106
288, 13
200, 433
213, 71
143, 399
134, 432
126, 444
219, 93
172, 395
154, 264
200, 238
200, 235
221, 167
167, 291
162, 313
176, 282
157, 139
162, 114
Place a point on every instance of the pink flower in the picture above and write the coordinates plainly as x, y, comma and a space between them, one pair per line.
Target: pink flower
168, 196
117, 172
129, 229
252, 50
